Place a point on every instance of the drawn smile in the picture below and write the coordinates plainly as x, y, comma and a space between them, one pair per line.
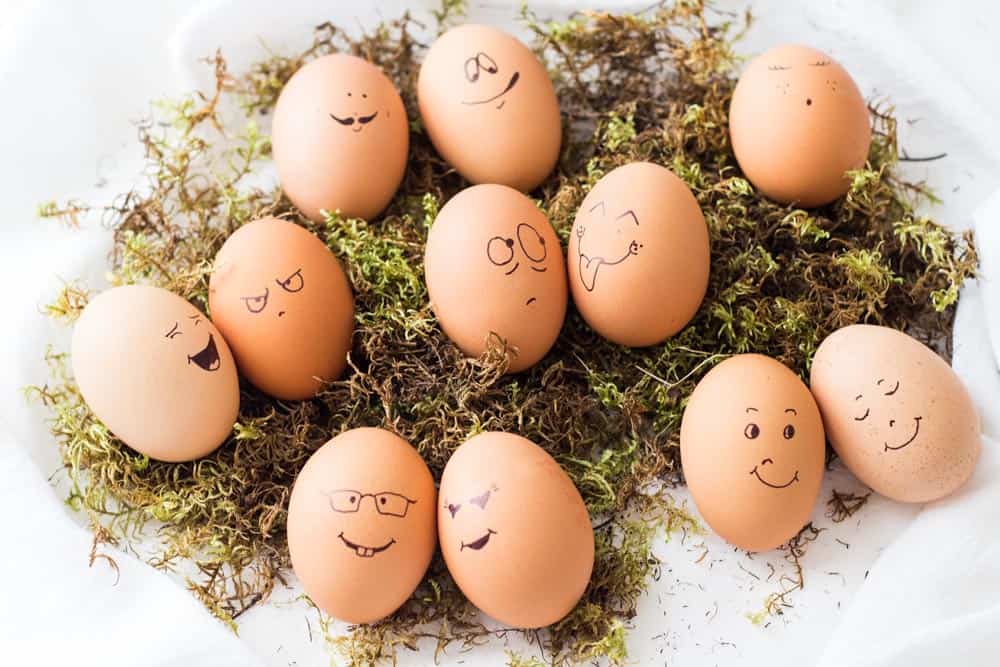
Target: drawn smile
916, 431
208, 358
511, 84
356, 124
481, 542
763, 481
363, 551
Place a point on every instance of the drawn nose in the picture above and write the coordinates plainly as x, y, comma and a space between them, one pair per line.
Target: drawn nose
892, 422
766, 461
809, 101
281, 313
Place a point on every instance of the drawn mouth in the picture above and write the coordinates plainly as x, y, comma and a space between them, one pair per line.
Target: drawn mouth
916, 432
363, 551
208, 358
481, 542
356, 124
588, 271
763, 481
513, 82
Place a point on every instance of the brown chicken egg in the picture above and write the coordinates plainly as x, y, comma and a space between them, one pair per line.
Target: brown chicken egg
798, 122
752, 449
283, 302
494, 269
340, 137
361, 527
156, 372
489, 107
896, 413
639, 255
514, 531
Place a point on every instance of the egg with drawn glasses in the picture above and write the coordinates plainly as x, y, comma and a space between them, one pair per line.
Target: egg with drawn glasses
753, 451
495, 274
896, 413
156, 371
284, 304
361, 524
798, 123
489, 107
340, 138
638, 255
514, 531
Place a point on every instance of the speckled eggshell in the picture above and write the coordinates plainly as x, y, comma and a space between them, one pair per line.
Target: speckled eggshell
156, 372
340, 137
494, 269
752, 449
361, 527
639, 255
798, 122
284, 304
514, 531
896, 413
489, 107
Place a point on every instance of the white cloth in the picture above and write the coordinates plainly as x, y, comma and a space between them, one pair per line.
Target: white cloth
74, 75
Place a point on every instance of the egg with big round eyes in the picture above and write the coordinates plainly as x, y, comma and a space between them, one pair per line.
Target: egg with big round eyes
156, 372
798, 123
639, 255
283, 302
361, 524
495, 274
489, 107
340, 137
514, 531
896, 413
753, 450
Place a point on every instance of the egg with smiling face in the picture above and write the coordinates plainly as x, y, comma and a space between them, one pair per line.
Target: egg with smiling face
798, 122
896, 413
489, 107
752, 450
156, 372
495, 274
282, 300
340, 137
514, 531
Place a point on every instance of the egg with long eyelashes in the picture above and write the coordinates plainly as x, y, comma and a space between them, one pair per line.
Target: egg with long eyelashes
361, 524
897, 415
489, 107
340, 137
514, 531
753, 450
156, 371
495, 274
283, 302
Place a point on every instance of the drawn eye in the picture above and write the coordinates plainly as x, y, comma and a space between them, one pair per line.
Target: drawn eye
789, 432
472, 69
174, 331
453, 509
487, 63
392, 504
256, 304
751, 431
344, 501
292, 283
481, 500
531, 242
864, 416
893, 390
500, 250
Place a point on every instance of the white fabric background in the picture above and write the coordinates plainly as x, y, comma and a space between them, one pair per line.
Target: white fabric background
73, 77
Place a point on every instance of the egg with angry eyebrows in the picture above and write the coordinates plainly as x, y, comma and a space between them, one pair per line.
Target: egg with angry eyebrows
753, 450
495, 274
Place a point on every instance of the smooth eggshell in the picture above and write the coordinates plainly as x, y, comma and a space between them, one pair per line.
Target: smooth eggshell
752, 449
361, 524
327, 158
798, 122
639, 255
156, 372
494, 266
514, 531
284, 304
489, 107
896, 413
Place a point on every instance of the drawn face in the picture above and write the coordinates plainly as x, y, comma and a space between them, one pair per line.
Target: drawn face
207, 358
256, 303
618, 234
897, 434
530, 248
483, 78
804, 86
387, 505
772, 474
482, 536
362, 112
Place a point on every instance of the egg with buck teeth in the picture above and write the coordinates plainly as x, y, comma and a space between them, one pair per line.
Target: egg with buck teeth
798, 123
495, 274
489, 107
753, 451
361, 524
896, 413
156, 372
514, 531
638, 255
340, 138
284, 304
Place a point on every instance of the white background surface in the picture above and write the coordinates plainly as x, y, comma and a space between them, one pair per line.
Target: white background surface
73, 79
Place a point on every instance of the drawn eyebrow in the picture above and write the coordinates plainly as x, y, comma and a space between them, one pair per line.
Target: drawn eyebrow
594, 207
173, 331
752, 409
632, 213
859, 397
880, 381
792, 410
820, 63
196, 318
777, 68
